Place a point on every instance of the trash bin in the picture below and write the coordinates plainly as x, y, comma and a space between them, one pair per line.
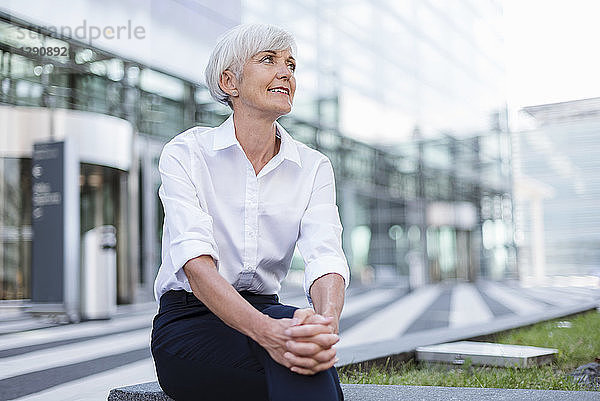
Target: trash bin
99, 273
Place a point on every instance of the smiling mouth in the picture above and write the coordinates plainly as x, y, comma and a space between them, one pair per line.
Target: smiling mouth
285, 91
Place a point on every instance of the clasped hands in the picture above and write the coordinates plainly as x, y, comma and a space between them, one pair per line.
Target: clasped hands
304, 344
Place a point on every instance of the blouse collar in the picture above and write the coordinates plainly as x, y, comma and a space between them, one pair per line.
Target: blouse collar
224, 137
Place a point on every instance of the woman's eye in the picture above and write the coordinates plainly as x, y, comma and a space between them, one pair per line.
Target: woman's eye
292, 67
267, 58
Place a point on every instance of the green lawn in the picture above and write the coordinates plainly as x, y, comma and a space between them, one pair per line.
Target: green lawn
577, 345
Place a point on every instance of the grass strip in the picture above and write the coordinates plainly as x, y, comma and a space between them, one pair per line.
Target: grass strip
578, 343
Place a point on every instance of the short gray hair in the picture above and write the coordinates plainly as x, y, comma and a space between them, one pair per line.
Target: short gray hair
236, 46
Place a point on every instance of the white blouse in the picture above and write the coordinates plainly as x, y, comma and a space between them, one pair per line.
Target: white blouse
216, 205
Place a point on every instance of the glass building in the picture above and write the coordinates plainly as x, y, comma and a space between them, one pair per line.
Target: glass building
434, 206
378, 70
119, 111
422, 81
558, 190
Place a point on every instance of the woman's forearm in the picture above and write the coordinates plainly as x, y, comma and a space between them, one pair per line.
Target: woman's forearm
226, 303
222, 299
327, 293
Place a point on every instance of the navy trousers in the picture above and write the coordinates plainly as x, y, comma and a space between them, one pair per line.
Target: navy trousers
198, 357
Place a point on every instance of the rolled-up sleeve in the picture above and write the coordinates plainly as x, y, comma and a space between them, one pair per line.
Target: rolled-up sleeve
190, 227
320, 238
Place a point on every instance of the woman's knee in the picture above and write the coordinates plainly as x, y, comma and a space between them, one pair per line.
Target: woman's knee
183, 379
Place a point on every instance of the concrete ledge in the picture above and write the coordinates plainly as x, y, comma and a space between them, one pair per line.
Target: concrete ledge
402, 348
151, 391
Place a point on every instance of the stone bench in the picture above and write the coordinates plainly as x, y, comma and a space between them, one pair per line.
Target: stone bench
151, 391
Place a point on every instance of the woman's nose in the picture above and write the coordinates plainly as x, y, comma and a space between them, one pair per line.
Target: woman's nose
283, 71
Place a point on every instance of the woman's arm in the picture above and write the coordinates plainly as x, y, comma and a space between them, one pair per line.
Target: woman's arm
225, 302
327, 293
326, 272
320, 244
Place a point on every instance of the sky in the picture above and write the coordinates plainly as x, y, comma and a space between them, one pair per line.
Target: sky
552, 51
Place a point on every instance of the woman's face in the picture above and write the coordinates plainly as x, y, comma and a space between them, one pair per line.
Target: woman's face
267, 84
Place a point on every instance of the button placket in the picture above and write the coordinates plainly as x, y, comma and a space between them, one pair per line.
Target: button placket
255, 223
250, 226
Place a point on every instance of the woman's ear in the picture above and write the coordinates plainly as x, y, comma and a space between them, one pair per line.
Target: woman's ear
228, 83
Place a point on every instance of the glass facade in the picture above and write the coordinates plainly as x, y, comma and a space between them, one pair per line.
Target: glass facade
561, 156
15, 215
158, 104
422, 82
103, 201
394, 65
389, 198
387, 194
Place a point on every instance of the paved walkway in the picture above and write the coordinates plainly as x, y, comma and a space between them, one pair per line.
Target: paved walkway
460, 306
85, 360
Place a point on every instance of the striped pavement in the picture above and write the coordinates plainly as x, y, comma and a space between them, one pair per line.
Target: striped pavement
84, 361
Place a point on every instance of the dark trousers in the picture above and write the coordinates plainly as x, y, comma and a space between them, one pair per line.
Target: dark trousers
198, 357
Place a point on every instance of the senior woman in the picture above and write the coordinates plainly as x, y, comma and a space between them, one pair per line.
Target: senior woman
238, 198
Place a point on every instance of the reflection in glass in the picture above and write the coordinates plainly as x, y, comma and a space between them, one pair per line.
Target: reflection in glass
15, 228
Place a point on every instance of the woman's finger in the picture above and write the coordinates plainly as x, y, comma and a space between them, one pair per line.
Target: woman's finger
321, 358
322, 340
308, 315
301, 316
307, 348
308, 330
318, 368
325, 355
303, 348
300, 361
318, 319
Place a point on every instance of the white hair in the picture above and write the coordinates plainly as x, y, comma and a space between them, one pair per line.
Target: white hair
236, 46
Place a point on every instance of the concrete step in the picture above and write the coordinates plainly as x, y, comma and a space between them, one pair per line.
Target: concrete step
151, 391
